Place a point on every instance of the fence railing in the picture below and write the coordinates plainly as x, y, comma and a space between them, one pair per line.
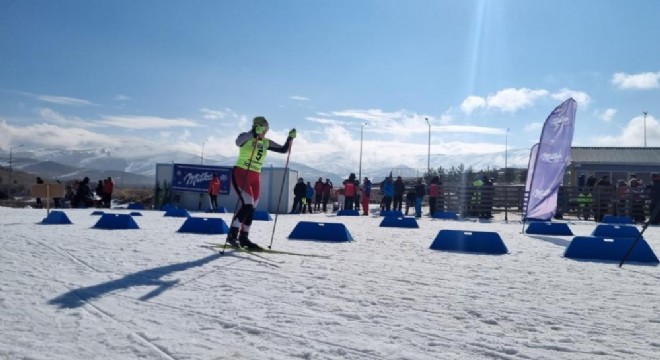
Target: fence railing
472, 201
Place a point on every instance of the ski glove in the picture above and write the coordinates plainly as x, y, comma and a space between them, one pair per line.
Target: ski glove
292, 133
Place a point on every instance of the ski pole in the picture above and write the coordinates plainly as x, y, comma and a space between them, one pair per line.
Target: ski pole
239, 190
653, 215
279, 201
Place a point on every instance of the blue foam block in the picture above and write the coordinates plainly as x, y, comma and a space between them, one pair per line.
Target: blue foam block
469, 241
331, 232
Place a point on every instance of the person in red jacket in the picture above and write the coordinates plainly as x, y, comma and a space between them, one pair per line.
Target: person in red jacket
350, 191
108, 188
214, 190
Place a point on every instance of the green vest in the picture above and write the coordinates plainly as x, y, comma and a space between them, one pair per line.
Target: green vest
258, 154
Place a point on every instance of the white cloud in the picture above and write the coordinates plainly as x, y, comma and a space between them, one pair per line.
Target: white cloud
63, 100
647, 80
633, 134
121, 97
53, 116
512, 100
472, 103
146, 122
535, 126
298, 98
607, 115
212, 114
582, 98
184, 136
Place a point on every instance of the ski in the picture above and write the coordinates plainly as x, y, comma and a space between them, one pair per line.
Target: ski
264, 259
264, 251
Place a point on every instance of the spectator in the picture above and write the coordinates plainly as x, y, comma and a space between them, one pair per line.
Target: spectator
399, 190
603, 198
318, 194
366, 195
433, 195
108, 188
487, 198
309, 197
350, 191
655, 199
84, 195
39, 204
214, 190
636, 194
57, 202
410, 199
584, 203
99, 192
420, 192
387, 187
299, 194
621, 197
327, 191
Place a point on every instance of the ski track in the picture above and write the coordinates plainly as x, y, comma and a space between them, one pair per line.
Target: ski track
423, 313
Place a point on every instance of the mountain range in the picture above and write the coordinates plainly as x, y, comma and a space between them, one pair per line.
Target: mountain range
131, 171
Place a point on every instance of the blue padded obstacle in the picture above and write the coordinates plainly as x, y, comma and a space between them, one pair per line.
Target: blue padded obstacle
176, 212
56, 217
308, 230
611, 219
395, 213
347, 212
135, 213
116, 222
445, 215
548, 228
166, 207
615, 231
599, 248
405, 222
469, 241
135, 206
97, 212
262, 215
201, 225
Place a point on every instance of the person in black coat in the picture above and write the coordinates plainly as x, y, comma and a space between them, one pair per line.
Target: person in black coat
655, 199
399, 189
299, 193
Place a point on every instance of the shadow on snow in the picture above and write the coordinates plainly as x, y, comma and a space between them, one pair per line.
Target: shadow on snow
150, 277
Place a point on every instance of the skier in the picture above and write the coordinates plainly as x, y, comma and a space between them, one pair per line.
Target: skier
253, 148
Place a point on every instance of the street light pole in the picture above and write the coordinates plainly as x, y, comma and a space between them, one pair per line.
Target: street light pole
201, 161
645, 127
11, 151
428, 157
361, 137
506, 153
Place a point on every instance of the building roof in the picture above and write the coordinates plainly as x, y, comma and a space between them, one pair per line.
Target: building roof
616, 155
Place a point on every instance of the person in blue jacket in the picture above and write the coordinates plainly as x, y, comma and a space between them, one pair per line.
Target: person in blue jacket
387, 188
310, 195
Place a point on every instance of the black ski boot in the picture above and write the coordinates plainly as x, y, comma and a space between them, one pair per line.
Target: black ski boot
232, 237
246, 243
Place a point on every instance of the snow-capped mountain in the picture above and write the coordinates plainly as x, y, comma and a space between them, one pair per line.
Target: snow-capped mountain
140, 170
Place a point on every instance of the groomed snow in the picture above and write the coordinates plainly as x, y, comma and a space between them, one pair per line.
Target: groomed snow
75, 292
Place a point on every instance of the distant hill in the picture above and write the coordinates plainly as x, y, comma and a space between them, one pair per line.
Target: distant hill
139, 171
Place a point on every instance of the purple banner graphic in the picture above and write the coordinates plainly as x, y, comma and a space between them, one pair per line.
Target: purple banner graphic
554, 150
530, 167
196, 177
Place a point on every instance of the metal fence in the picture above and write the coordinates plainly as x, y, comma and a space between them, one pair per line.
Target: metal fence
472, 201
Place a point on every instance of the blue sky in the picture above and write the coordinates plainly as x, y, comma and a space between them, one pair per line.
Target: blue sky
148, 75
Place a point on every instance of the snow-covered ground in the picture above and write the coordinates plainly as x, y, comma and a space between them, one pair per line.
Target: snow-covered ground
75, 292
